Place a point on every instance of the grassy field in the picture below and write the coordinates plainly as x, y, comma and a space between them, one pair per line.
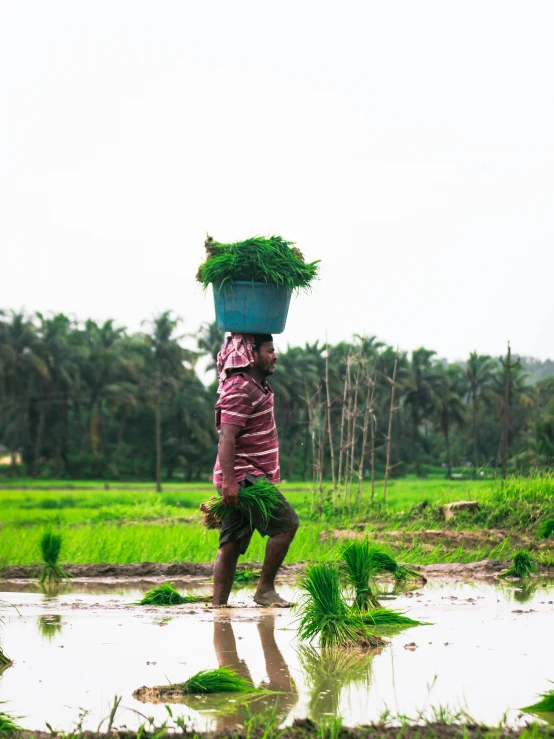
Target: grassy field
133, 523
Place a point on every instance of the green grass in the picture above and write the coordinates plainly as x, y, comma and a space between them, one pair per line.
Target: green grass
257, 259
546, 528
380, 561
166, 595
137, 524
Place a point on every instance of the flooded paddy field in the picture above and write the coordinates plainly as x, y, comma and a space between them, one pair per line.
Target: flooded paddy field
488, 651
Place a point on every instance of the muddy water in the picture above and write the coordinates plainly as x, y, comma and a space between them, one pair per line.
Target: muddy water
489, 650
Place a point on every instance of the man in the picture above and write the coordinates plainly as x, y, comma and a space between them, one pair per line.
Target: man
248, 449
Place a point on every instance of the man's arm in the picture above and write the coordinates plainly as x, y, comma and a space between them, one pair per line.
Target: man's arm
226, 451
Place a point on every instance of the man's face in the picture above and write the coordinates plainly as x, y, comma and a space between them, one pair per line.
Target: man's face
265, 359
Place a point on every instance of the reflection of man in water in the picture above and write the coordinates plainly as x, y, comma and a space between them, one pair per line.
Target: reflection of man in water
279, 678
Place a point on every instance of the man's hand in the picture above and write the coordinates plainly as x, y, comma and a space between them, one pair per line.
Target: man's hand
230, 493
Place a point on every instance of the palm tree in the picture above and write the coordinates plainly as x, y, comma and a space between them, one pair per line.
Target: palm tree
520, 394
209, 339
449, 407
421, 394
480, 371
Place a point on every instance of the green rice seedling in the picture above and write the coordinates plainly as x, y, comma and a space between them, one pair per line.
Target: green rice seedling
50, 547
7, 722
355, 555
380, 561
546, 528
49, 626
220, 680
246, 576
392, 620
523, 565
546, 705
258, 259
262, 498
166, 595
324, 613
5, 661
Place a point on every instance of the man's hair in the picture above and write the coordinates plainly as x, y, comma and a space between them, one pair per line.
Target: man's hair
260, 339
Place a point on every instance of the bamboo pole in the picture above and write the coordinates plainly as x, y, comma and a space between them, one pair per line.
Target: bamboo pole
329, 425
364, 442
389, 432
341, 444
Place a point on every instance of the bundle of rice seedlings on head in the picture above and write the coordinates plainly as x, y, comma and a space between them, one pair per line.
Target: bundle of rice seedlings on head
262, 497
166, 595
523, 565
546, 705
380, 561
355, 555
324, 613
258, 259
50, 547
546, 528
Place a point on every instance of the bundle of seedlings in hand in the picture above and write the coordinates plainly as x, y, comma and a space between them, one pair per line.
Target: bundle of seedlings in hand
263, 498
546, 705
324, 613
380, 561
258, 259
220, 680
166, 595
523, 565
355, 555
50, 546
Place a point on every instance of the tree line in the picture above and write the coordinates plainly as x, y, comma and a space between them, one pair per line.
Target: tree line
90, 400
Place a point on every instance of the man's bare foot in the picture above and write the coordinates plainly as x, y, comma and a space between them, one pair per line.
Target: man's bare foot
271, 598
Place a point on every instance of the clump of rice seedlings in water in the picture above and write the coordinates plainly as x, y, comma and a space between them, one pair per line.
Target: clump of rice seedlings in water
392, 619
5, 661
166, 595
523, 565
546, 705
546, 528
324, 613
50, 547
355, 555
380, 561
258, 259
220, 680
263, 497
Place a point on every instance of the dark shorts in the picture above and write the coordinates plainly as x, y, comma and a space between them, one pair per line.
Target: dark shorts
236, 525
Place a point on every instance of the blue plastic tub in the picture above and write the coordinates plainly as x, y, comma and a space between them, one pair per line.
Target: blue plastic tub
251, 307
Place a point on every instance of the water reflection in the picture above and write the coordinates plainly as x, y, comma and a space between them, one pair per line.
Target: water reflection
49, 626
329, 672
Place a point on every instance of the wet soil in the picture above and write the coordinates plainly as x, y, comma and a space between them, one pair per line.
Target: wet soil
190, 571
306, 729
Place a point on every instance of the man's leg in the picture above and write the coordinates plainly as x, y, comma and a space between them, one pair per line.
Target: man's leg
224, 571
275, 552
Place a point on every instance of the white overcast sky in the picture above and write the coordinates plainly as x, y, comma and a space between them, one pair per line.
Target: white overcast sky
408, 145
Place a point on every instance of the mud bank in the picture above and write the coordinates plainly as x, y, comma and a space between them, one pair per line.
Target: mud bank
192, 570
305, 728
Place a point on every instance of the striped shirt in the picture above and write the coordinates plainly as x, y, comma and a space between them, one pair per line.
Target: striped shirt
244, 402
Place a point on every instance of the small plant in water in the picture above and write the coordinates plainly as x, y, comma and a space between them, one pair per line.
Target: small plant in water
50, 547
324, 613
246, 576
263, 498
380, 561
523, 565
7, 722
546, 705
546, 528
220, 680
49, 626
166, 595
392, 619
